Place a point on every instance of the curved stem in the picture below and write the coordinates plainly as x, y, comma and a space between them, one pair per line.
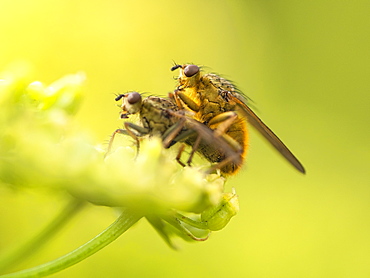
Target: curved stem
30, 247
191, 222
122, 224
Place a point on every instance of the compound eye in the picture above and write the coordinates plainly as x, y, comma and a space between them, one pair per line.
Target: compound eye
133, 98
191, 70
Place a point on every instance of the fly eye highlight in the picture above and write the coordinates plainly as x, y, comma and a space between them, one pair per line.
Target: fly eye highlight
133, 98
191, 70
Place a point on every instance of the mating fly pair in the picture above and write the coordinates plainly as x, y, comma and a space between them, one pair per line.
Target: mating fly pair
161, 117
205, 112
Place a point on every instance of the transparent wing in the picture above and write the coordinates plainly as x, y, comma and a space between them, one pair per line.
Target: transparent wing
257, 123
209, 137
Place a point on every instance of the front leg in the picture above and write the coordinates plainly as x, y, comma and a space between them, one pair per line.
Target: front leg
181, 98
222, 122
141, 131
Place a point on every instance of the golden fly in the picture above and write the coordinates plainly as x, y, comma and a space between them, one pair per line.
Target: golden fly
217, 103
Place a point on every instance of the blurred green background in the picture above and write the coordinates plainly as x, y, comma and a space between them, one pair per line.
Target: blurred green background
306, 66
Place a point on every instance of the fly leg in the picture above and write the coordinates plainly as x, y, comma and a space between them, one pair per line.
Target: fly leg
213, 134
194, 149
177, 133
129, 127
220, 125
181, 137
179, 97
110, 143
169, 137
178, 156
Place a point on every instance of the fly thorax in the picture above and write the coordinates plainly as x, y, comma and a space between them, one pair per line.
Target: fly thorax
154, 115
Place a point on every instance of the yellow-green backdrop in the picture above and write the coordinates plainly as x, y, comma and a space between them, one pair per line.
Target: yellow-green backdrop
305, 64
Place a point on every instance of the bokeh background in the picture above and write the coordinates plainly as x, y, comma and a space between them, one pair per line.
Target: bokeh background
306, 66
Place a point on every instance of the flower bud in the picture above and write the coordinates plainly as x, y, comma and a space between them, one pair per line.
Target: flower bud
217, 217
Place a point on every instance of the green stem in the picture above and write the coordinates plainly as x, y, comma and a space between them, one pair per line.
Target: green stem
176, 220
191, 222
122, 224
30, 247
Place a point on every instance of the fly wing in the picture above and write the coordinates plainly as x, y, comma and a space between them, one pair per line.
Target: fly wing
257, 123
209, 137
